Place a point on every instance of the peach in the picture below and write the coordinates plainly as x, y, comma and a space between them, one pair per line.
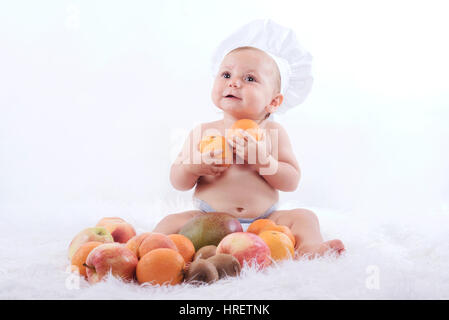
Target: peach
246, 247
89, 234
120, 230
133, 244
110, 257
153, 241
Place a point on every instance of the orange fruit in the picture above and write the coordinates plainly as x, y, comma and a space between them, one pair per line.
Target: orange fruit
153, 241
257, 226
160, 266
247, 125
80, 256
281, 247
280, 228
184, 245
215, 143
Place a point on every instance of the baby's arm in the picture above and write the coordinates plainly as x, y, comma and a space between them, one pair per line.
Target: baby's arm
185, 172
180, 177
282, 172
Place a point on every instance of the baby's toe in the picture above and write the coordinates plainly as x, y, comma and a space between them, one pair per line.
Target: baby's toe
336, 245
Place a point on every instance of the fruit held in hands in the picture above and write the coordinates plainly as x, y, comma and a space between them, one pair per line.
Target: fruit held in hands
281, 247
80, 256
247, 125
210, 228
217, 143
99, 234
205, 252
247, 248
161, 266
201, 270
110, 257
120, 230
184, 245
227, 265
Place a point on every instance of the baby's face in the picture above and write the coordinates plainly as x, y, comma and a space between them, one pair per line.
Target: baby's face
248, 75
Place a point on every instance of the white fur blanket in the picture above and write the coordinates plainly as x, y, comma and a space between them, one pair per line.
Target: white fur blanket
396, 259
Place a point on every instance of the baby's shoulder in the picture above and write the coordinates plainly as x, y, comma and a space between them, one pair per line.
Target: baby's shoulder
207, 128
273, 125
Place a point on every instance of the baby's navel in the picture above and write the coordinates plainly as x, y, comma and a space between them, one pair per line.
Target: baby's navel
240, 209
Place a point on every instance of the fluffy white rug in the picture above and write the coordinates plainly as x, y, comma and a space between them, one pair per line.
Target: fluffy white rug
394, 259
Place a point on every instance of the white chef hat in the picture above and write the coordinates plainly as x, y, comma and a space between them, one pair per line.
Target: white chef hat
293, 61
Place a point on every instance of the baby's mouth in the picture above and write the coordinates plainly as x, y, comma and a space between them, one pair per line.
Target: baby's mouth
230, 96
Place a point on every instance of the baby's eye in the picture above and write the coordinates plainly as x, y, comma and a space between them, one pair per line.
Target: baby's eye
250, 78
226, 75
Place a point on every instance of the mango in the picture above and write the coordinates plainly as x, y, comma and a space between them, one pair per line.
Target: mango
210, 228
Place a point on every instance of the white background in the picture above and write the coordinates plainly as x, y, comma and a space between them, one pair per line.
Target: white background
94, 93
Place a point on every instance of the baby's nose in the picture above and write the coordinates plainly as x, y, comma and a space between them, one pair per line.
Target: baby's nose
234, 83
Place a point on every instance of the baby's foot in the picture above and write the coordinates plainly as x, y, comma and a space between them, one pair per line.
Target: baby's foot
313, 250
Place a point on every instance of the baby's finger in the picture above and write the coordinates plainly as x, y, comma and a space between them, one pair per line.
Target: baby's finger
262, 135
248, 137
243, 133
220, 168
215, 153
217, 170
230, 142
240, 150
239, 141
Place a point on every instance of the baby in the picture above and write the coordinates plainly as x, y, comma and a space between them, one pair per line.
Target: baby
247, 86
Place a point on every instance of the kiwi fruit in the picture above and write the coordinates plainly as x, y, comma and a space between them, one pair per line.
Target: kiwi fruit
226, 265
205, 252
201, 270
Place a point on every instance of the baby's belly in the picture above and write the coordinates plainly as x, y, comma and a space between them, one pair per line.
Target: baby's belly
239, 191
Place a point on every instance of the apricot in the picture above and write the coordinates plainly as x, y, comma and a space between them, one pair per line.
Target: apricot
281, 228
184, 245
257, 226
217, 143
134, 243
247, 125
279, 243
153, 241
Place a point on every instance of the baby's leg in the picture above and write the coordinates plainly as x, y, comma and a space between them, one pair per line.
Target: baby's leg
174, 222
306, 229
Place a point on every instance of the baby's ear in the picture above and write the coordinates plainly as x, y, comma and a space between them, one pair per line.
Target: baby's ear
275, 103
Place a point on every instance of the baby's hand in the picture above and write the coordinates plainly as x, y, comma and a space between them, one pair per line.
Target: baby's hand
210, 165
249, 149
